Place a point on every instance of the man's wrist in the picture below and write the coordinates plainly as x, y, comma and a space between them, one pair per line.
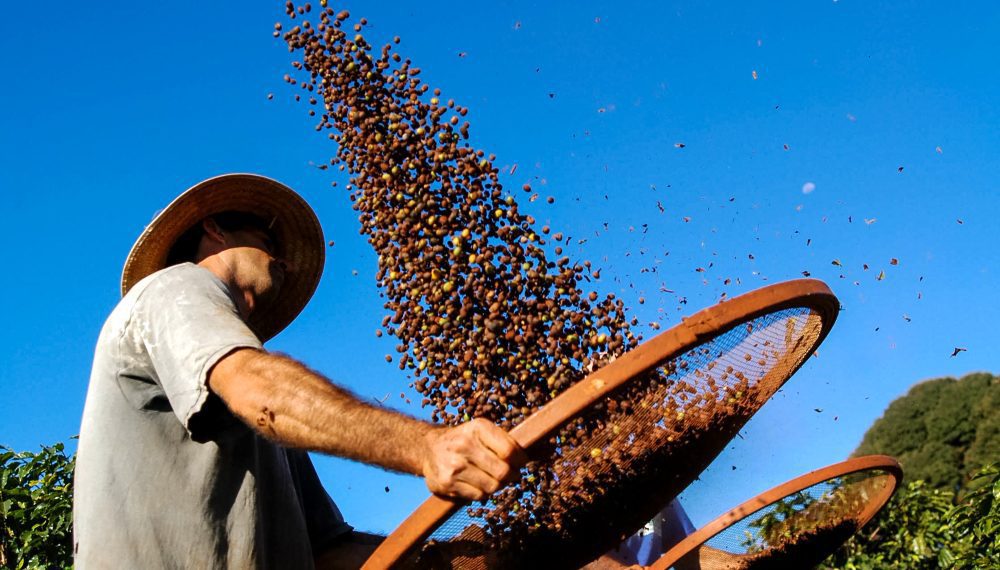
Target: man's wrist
425, 445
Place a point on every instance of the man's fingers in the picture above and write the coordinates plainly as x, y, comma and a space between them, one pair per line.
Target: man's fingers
480, 480
500, 443
484, 460
466, 491
470, 483
476, 464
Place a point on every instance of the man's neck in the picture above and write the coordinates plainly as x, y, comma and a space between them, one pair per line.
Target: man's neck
218, 266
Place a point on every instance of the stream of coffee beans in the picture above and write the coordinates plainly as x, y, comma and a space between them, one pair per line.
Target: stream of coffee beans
489, 325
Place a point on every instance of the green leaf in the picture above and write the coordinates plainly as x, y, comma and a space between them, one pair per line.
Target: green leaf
945, 558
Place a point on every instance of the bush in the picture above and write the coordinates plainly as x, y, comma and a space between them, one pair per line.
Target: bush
36, 508
908, 532
922, 528
976, 522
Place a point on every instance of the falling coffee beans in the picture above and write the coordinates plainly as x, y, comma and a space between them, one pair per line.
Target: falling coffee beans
489, 326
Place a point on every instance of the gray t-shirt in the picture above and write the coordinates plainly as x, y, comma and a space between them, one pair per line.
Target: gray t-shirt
166, 476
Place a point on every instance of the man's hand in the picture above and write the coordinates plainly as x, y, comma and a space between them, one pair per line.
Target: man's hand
470, 461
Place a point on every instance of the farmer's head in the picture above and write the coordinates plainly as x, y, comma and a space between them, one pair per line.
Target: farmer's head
256, 234
241, 248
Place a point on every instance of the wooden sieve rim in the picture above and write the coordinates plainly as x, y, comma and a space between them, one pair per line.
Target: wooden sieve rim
698, 538
692, 331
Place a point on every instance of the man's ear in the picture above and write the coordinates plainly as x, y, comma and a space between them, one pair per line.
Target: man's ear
212, 231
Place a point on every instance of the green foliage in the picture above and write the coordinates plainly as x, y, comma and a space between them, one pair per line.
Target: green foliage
922, 529
36, 508
770, 528
941, 431
976, 522
987, 441
909, 532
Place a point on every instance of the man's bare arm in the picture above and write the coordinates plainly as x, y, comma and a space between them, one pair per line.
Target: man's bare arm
287, 402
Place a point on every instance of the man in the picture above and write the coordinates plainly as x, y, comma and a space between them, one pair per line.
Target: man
191, 445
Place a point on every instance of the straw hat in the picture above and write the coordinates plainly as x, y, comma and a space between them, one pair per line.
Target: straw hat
296, 230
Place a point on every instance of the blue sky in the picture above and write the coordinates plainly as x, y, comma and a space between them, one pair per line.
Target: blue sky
110, 109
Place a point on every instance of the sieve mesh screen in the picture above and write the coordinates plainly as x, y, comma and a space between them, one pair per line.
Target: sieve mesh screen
617, 463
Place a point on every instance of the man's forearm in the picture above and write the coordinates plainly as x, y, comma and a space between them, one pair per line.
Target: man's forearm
287, 402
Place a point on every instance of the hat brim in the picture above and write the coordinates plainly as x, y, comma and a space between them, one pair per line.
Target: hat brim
296, 230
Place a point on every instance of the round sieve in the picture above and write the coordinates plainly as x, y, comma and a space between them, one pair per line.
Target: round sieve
795, 525
609, 452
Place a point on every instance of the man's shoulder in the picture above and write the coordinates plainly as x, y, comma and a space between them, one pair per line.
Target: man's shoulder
171, 283
180, 274
168, 286
174, 299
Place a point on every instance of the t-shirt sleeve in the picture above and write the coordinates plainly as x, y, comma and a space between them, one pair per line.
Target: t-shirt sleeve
323, 519
187, 321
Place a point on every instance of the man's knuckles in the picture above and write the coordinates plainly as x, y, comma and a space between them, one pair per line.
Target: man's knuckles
505, 449
459, 438
449, 468
480, 424
492, 486
502, 473
475, 495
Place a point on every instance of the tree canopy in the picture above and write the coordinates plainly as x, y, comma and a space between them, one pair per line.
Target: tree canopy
946, 434
941, 431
